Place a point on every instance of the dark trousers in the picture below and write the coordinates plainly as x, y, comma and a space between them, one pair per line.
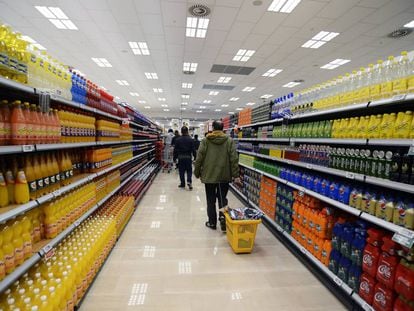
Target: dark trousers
185, 165
213, 192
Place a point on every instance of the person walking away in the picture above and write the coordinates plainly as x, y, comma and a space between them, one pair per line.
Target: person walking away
168, 149
184, 151
176, 135
217, 164
196, 144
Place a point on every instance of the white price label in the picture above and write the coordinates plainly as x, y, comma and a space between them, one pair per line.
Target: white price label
407, 233
398, 97
338, 281
411, 150
289, 162
49, 254
350, 175
309, 166
76, 223
57, 193
403, 240
28, 148
279, 228
303, 250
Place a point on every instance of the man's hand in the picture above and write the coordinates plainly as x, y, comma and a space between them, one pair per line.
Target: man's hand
237, 181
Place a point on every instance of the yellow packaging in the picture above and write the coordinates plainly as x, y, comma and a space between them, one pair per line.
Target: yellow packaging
364, 95
373, 126
402, 124
275, 153
409, 218
399, 86
386, 89
385, 210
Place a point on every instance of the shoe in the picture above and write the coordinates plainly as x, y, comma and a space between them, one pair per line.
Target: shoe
211, 226
190, 186
181, 186
222, 224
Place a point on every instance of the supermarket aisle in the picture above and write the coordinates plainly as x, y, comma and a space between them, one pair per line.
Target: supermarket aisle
167, 259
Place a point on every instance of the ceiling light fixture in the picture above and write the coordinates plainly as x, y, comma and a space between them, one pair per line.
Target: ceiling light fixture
161, 99
185, 85
199, 111
56, 16
135, 94
213, 93
202, 107
164, 106
248, 89
243, 55
291, 84
233, 99
410, 24
239, 109
192, 67
122, 82
206, 101
139, 48
224, 105
183, 108
147, 107
151, 75
272, 72
266, 96
320, 39
217, 110
157, 90
283, 6
250, 104
166, 110
184, 104
224, 80
33, 43
335, 63
196, 27
101, 62
185, 96
231, 112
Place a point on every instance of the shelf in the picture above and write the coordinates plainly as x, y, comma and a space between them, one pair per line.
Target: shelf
345, 174
391, 142
48, 245
382, 223
273, 140
263, 123
16, 86
330, 111
396, 99
339, 141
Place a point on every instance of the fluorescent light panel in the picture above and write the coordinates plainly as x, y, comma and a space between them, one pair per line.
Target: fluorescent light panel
250, 104
266, 96
224, 80
190, 67
184, 104
139, 48
233, 99
166, 110
291, 84
33, 43
335, 63
101, 62
213, 93
410, 24
56, 16
224, 105
202, 107
185, 85
196, 27
243, 55
134, 94
248, 89
283, 6
185, 96
183, 108
320, 39
239, 109
142, 101
272, 72
147, 107
207, 101
151, 75
217, 110
199, 111
162, 99
122, 82
157, 90
165, 106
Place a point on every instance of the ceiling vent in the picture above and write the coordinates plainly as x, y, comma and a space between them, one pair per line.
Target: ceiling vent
299, 80
399, 33
188, 72
235, 70
199, 10
218, 87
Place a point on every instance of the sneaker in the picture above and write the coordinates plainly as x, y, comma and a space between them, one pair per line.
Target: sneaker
190, 186
222, 224
211, 226
181, 186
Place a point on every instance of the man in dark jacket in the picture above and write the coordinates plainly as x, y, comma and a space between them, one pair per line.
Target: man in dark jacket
196, 143
217, 164
184, 151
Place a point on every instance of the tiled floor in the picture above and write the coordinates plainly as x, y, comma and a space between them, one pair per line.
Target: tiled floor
167, 259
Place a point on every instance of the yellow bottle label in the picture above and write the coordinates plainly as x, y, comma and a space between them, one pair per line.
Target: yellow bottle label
399, 85
27, 249
18, 255
364, 93
386, 88
9, 262
410, 84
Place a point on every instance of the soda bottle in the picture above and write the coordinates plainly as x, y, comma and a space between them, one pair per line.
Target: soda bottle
36, 124
18, 125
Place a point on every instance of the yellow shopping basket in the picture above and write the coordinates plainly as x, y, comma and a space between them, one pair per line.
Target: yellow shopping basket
241, 234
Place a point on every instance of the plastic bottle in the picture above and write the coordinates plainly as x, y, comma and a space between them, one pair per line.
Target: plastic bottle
8, 249
2, 261
36, 124
27, 238
6, 116
30, 137
31, 177
399, 84
402, 125
389, 73
18, 125
10, 181
4, 194
42, 126
21, 188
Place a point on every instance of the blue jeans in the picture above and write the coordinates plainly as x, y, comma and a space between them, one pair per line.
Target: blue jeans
185, 165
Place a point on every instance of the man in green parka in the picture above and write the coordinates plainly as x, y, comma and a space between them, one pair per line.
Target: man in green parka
217, 164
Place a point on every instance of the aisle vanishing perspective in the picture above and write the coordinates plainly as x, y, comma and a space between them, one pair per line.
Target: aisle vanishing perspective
166, 259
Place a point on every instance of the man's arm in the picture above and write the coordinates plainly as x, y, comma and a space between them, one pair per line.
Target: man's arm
200, 158
234, 160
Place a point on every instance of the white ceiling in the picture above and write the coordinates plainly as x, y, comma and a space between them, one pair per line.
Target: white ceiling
106, 26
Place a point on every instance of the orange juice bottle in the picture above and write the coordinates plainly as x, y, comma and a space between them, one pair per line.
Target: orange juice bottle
50, 221
55, 168
36, 123
8, 249
27, 237
6, 116
38, 175
21, 188
35, 219
18, 243
50, 171
2, 263
45, 174
18, 125
42, 126
4, 194
31, 178
29, 123
10, 181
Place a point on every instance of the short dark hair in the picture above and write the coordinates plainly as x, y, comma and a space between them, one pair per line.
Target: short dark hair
195, 136
218, 125
184, 130
170, 131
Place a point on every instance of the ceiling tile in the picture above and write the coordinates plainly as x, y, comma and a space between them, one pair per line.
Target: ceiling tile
303, 13
268, 23
281, 35
354, 15
222, 18
175, 35
250, 13
336, 8
147, 7
174, 14
388, 11
255, 41
215, 38
373, 3
151, 24
240, 28
104, 20
124, 13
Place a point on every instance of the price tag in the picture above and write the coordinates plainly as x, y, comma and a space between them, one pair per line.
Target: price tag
49, 254
28, 148
367, 307
411, 150
309, 166
57, 193
407, 233
350, 175
289, 162
303, 250
338, 281
279, 228
403, 240
398, 97
76, 223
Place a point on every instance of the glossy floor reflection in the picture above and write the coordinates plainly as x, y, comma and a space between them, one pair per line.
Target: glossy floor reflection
167, 259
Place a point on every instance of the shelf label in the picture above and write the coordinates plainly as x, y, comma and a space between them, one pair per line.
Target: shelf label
350, 175
303, 250
407, 233
403, 240
338, 281
28, 148
367, 307
411, 150
398, 97
57, 193
48, 251
309, 166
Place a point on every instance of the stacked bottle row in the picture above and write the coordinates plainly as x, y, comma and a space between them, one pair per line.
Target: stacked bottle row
76, 127
135, 186
284, 207
61, 282
107, 183
267, 197
383, 80
251, 182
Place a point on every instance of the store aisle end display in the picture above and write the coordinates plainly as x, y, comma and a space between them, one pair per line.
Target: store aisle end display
332, 169
74, 166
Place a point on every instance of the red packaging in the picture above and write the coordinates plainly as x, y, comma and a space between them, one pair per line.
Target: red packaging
375, 236
404, 280
389, 246
401, 304
383, 298
387, 266
370, 259
366, 288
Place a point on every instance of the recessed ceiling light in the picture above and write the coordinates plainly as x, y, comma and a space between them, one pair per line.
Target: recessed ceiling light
142, 101
122, 82
199, 111
233, 99
202, 107
335, 63
166, 109
192, 67
410, 24
243, 55
213, 93
248, 89
139, 48
320, 39
291, 84
161, 99
217, 110
185, 96
56, 16
33, 43
164, 106
206, 101
250, 104
157, 90
224, 105
283, 6
266, 96
239, 109
135, 94
224, 80
196, 27
151, 75
183, 108
185, 85
184, 104
147, 107
272, 72
101, 62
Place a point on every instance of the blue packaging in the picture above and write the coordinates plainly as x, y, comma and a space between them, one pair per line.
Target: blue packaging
309, 182
334, 191
354, 276
336, 235
347, 237
296, 178
344, 193
303, 180
316, 184
357, 249
282, 173
343, 269
324, 188
334, 259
